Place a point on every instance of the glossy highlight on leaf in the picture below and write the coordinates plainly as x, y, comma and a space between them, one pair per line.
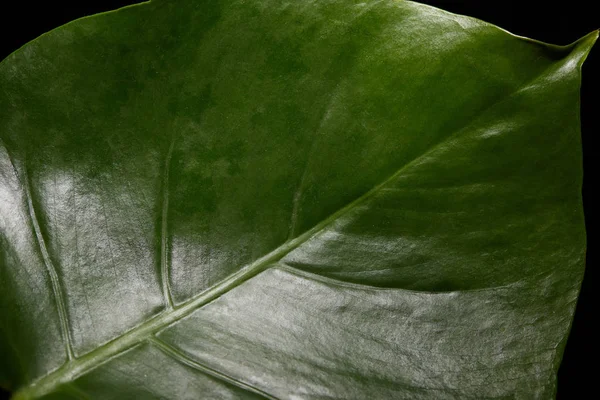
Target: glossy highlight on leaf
288, 200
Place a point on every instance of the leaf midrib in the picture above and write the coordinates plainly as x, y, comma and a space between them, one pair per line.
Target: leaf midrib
140, 333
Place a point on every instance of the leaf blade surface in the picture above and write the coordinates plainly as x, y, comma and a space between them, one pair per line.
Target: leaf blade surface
147, 180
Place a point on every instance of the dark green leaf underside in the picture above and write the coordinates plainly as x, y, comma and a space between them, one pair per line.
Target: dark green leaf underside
288, 200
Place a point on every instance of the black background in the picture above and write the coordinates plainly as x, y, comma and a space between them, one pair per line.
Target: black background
561, 24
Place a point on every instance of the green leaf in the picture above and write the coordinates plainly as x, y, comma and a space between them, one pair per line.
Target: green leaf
288, 200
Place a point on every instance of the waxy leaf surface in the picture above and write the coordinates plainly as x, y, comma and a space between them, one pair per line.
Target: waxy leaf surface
288, 200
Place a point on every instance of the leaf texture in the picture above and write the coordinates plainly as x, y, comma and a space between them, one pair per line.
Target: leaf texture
288, 200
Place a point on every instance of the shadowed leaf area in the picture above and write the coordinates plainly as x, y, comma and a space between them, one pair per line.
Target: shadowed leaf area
288, 200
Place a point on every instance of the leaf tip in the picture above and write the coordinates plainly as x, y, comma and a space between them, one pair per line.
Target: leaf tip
582, 47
